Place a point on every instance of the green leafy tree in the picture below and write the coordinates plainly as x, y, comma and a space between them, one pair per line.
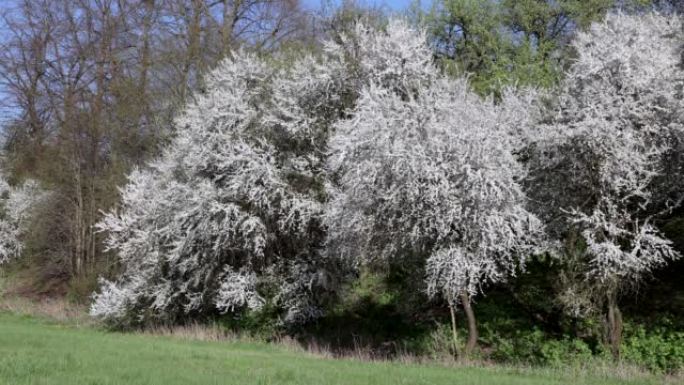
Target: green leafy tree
499, 43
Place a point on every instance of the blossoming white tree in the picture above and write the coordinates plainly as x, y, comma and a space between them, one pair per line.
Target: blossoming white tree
604, 146
231, 211
198, 224
427, 169
17, 209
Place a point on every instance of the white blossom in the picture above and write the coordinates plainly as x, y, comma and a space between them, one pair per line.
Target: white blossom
238, 290
433, 174
602, 148
236, 200
18, 207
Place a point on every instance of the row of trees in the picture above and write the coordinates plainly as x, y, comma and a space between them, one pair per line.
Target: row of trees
283, 180
320, 147
91, 87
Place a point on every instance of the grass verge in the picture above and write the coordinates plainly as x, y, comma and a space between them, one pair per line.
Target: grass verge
36, 351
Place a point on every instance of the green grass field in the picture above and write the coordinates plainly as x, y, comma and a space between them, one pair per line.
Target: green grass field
33, 351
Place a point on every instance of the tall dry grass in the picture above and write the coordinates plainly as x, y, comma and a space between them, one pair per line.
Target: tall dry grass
55, 309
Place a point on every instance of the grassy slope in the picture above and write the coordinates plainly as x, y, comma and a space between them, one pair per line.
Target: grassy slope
36, 352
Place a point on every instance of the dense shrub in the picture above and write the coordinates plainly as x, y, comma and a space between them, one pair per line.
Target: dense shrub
659, 349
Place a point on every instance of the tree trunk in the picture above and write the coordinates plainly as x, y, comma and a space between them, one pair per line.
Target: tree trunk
78, 224
194, 40
614, 325
231, 15
454, 332
145, 60
472, 325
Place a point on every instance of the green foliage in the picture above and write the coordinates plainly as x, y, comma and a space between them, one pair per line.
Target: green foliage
370, 288
438, 342
657, 348
536, 348
261, 324
502, 43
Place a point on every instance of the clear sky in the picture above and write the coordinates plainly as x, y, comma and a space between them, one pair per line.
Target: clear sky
392, 4
396, 5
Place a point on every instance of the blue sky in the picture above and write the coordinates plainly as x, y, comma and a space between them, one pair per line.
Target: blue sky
391, 4
396, 5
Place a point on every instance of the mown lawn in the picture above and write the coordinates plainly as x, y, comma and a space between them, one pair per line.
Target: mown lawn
37, 352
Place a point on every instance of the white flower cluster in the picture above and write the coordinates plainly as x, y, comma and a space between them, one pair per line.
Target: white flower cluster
601, 151
17, 205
